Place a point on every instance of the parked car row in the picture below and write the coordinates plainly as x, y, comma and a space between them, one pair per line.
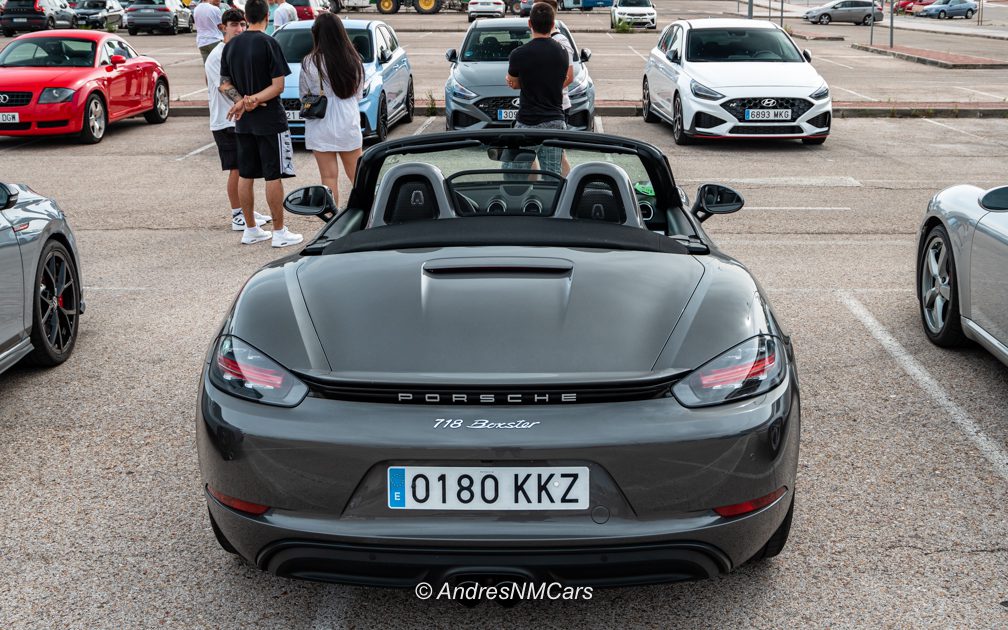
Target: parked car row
853, 11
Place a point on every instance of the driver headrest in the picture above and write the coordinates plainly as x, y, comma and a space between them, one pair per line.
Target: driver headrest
412, 199
597, 198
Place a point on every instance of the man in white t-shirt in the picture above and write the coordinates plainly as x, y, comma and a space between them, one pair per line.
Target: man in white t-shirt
207, 16
285, 12
232, 24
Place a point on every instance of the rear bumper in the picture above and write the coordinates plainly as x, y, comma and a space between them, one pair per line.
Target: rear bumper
30, 23
151, 22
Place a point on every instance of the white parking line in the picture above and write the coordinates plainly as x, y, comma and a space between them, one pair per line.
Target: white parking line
87, 288
935, 122
867, 98
844, 208
636, 53
1000, 98
202, 89
836, 63
988, 447
194, 152
422, 128
598, 125
610, 36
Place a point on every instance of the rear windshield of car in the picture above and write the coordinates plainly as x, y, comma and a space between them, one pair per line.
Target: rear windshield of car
740, 44
148, 2
48, 52
19, 3
296, 42
496, 44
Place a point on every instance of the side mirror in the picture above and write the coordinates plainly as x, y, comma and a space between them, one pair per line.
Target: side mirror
312, 201
384, 55
716, 199
118, 60
451, 55
673, 55
8, 196
808, 55
585, 55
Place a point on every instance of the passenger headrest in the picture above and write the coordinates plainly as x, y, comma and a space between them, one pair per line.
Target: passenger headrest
597, 198
412, 199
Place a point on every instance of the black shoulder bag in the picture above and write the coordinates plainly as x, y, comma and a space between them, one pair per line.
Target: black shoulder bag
313, 106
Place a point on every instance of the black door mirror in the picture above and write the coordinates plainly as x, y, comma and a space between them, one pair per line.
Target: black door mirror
384, 55
312, 201
451, 55
716, 199
8, 196
585, 55
808, 55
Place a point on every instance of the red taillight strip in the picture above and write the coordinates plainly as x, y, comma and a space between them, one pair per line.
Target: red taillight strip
737, 374
750, 506
254, 375
237, 504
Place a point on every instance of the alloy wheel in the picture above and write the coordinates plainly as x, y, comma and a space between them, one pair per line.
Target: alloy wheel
58, 298
161, 100
936, 285
96, 118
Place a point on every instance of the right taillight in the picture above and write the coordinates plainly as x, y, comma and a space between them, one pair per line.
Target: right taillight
753, 367
241, 370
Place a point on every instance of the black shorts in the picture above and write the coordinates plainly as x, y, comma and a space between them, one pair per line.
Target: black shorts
227, 148
266, 157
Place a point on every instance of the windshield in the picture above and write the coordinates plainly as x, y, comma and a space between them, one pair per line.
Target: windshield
296, 42
49, 51
635, 3
740, 44
93, 4
149, 2
496, 44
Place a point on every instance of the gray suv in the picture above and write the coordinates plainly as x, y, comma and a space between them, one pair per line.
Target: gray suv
159, 15
854, 11
476, 95
31, 15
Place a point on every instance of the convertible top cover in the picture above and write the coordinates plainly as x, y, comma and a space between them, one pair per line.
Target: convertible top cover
516, 231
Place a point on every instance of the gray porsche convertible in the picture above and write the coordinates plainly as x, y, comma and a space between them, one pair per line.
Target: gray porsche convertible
40, 289
962, 268
481, 370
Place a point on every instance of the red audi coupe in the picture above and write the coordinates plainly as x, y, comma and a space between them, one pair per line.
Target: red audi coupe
65, 82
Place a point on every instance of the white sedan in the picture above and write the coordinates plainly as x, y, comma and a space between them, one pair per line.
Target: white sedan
636, 13
485, 8
732, 78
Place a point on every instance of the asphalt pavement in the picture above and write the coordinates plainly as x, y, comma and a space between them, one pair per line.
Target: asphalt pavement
900, 517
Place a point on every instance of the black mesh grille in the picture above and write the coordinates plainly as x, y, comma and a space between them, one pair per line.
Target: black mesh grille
762, 130
822, 121
51, 124
489, 106
705, 121
463, 120
15, 99
737, 107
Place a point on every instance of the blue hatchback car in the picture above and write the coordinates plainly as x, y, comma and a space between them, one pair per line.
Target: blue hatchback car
388, 76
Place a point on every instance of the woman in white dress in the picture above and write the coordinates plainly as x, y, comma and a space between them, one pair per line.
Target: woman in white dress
333, 67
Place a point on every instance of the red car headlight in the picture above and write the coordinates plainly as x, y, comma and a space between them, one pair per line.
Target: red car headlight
239, 369
751, 368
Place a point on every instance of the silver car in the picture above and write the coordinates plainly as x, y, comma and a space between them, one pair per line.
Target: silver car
476, 94
41, 298
962, 286
854, 11
169, 16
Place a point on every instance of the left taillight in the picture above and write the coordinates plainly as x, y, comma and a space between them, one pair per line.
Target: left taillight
241, 370
753, 367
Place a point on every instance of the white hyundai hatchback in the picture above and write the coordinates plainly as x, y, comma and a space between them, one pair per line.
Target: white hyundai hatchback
732, 78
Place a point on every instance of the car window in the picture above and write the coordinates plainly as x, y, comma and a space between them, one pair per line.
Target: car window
496, 44
676, 38
663, 41
390, 38
49, 51
297, 42
740, 45
121, 48
381, 43
93, 4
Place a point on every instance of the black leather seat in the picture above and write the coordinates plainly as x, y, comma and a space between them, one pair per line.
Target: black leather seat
597, 199
412, 199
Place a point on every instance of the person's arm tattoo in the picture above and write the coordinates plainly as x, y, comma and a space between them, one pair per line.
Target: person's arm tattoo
229, 90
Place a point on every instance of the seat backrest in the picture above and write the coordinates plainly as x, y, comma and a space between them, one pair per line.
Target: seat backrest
598, 200
410, 192
599, 191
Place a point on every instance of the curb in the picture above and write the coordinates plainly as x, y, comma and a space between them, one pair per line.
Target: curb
932, 61
812, 37
631, 109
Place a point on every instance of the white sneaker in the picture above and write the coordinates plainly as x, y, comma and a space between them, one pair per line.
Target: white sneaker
285, 238
255, 235
238, 221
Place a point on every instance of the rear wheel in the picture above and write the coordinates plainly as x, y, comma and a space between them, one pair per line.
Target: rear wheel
7, 33
50, 24
73, 22
649, 115
427, 6
867, 21
159, 111
824, 19
410, 103
131, 31
516, 7
173, 29
938, 290
95, 120
381, 129
387, 6
942, 15
678, 125
776, 543
969, 13
56, 306
191, 26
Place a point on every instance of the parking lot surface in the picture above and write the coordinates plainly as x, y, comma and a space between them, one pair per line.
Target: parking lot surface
900, 518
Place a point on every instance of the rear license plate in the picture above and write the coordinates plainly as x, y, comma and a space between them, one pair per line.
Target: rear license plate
9, 118
768, 114
507, 114
472, 488
20, 19
293, 115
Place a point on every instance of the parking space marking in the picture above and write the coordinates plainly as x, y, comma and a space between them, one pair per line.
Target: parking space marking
179, 98
836, 63
195, 151
979, 92
87, 288
610, 36
867, 98
825, 181
988, 447
636, 53
422, 128
598, 125
935, 122
798, 208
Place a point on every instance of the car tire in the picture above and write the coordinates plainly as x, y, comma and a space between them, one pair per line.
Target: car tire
867, 21
132, 32
73, 22
381, 128
646, 107
192, 26
824, 19
776, 543
219, 535
50, 24
516, 7
410, 103
679, 134
813, 141
943, 326
95, 120
386, 7
54, 330
969, 13
158, 112
942, 15
7, 33
427, 7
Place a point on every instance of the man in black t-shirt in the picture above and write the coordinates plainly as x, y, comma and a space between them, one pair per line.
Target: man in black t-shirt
541, 69
252, 76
